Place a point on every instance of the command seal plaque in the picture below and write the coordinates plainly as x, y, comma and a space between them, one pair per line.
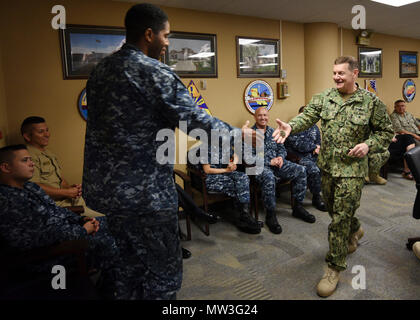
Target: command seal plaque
258, 94
82, 104
409, 90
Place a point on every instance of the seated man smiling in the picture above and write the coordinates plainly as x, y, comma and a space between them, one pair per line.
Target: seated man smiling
47, 169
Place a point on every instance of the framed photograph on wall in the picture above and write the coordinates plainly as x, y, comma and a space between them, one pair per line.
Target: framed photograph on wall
370, 62
408, 64
257, 57
192, 55
82, 47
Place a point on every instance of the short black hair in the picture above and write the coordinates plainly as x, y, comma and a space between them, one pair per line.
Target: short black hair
398, 101
7, 153
142, 16
28, 122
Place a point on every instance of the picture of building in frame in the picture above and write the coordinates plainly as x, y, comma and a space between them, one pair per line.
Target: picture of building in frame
192, 54
408, 64
370, 62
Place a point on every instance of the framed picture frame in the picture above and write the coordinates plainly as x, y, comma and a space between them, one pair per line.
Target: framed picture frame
82, 47
408, 64
370, 62
192, 55
257, 57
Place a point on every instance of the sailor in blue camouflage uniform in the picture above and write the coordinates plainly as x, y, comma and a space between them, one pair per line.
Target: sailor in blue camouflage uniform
277, 168
305, 146
132, 97
30, 219
222, 176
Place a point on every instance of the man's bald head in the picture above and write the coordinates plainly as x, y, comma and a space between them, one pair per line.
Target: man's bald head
261, 117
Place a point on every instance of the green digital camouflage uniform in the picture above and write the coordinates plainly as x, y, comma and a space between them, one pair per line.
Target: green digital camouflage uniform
376, 161
344, 124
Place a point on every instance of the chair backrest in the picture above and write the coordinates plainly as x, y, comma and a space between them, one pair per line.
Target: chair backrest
195, 170
413, 161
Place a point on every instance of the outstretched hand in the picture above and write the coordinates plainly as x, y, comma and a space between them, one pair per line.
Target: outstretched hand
251, 134
282, 132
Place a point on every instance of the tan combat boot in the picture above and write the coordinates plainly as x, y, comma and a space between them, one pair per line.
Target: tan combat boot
416, 249
328, 283
377, 179
354, 238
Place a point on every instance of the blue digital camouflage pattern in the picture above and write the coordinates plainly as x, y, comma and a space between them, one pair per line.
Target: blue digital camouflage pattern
303, 144
271, 175
151, 254
233, 184
131, 97
29, 219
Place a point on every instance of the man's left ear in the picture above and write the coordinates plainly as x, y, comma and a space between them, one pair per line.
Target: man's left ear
356, 72
27, 137
148, 35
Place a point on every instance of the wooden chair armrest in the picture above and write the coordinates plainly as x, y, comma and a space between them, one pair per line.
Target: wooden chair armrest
182, 175
185, 178
197, 172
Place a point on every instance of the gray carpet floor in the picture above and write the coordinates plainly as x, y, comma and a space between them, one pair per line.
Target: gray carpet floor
232, 265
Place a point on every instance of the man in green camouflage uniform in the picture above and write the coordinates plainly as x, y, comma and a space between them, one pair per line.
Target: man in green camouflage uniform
353, 122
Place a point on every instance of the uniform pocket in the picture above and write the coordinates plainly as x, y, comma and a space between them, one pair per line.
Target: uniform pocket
359, 118
328, 113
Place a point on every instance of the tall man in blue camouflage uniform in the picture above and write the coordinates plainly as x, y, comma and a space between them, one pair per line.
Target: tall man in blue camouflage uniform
306, 145
30, 219
132, 96
276, 167
353, 122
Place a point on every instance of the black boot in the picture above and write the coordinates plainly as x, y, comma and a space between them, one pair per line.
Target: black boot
272, 223
318, 203
186, 202
186, 253
246, 222
301, 213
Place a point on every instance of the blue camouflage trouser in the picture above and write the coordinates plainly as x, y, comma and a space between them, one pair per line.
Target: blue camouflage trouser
150, 252
289, 171
313, 174
102, 253
233, 184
